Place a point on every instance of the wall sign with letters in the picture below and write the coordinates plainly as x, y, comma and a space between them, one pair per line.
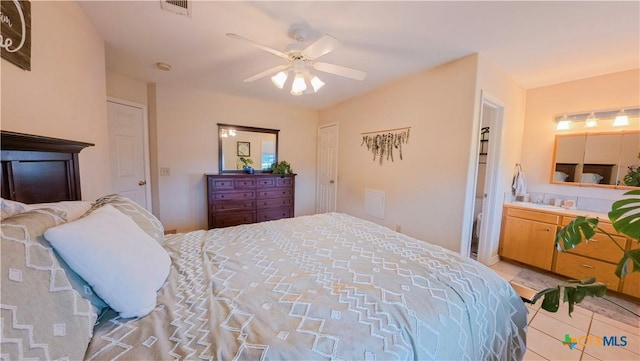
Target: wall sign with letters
15, 38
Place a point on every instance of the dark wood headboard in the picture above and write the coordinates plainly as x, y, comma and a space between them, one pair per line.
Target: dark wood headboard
37, 169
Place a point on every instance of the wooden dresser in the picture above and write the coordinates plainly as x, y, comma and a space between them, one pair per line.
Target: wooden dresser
234, 199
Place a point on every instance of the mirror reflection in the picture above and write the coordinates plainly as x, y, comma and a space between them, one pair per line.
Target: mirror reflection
235, 142
599, 159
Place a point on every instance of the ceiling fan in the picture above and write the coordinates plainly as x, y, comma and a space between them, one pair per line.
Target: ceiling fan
301, 61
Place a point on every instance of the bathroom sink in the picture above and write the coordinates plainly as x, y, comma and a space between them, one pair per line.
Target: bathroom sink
539, 206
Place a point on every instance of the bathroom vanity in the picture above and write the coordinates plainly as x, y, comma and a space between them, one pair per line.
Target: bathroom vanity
528, 236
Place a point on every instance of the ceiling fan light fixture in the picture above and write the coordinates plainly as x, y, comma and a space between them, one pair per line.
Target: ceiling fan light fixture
316, 83
279, 79
299, 85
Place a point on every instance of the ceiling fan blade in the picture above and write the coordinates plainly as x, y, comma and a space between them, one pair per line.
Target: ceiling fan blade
340, 70
258, 45
321, 46
266, 72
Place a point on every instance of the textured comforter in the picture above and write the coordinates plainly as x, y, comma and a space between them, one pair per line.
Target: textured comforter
320, 287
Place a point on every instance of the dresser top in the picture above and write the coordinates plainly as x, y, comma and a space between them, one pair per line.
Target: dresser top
242, 174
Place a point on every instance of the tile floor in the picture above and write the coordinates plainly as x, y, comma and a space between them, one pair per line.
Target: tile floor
547, 330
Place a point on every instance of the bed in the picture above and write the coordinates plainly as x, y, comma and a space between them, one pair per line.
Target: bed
326, 286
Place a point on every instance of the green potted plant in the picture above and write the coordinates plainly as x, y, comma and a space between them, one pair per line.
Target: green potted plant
632, 178
625, 218
246, 164
281, 168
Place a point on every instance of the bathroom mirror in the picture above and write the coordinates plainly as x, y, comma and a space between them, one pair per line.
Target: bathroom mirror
236, 141
595, 159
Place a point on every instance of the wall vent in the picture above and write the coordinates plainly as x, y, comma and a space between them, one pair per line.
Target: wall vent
182, 7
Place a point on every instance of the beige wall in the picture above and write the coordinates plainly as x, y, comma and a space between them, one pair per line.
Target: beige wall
601, 92
187, 144
125, 88
424, 192
64, 94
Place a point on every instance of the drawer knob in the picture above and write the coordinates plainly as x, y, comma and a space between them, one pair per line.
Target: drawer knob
586, 266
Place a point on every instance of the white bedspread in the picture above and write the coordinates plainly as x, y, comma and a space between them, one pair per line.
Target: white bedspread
323, 287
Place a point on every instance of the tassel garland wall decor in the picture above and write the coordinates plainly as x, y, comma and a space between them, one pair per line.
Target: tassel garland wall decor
382, 143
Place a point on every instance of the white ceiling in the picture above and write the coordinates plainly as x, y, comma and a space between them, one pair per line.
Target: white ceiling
537, 43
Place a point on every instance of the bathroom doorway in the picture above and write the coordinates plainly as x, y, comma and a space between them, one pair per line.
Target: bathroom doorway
485, 234
487, 114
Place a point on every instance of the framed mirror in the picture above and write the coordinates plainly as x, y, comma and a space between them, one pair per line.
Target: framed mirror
595, 159
237, 141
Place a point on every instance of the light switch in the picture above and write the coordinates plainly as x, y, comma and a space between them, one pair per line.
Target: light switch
164, 172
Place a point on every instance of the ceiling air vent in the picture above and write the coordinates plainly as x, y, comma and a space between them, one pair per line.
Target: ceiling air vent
182, 7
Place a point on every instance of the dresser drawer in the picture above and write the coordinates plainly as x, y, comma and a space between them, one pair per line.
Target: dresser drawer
220, 183
232, 206
273, 202
228, 219
579, 268
284, 181
273, 214
245, 183
241, 195
273, 193
267, 182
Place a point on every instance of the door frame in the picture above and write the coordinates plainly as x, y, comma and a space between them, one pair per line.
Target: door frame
145, 146
335, 195
489, 233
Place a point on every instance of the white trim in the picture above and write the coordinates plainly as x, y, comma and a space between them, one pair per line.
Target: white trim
147, 168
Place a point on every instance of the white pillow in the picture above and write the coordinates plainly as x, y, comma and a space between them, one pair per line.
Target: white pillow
8, 208
560, 176
73, 209
593, 178
123, 264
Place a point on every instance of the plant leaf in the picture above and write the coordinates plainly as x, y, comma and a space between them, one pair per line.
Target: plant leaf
576, 294
551, 300
572, 234
630, 262
625, 215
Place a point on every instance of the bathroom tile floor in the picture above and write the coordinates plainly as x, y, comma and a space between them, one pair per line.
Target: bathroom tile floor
547, 330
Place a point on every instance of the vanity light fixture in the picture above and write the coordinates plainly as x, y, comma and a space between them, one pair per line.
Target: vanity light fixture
564, 123
592, 118
591, 121
622, 119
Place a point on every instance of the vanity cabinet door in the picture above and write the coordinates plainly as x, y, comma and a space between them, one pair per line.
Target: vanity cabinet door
528, 241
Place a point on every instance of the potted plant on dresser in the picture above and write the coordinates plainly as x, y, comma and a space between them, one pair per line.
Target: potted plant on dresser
247, 164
